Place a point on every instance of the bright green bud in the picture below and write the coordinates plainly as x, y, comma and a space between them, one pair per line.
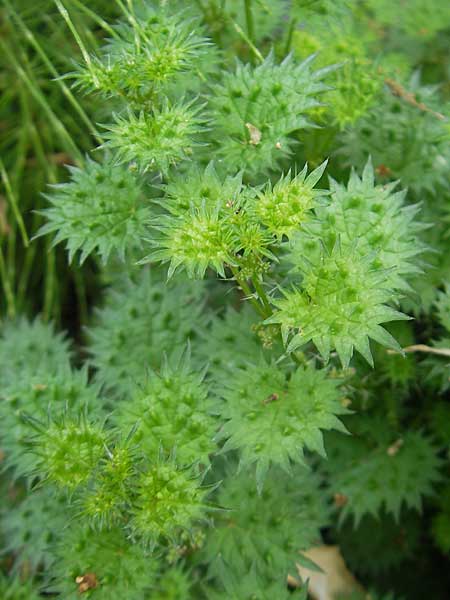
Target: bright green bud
201, 238
284, 207
68, 452
168, 500
155, 140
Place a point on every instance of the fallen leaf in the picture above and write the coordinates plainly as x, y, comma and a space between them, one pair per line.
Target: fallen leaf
335, 580
86, 582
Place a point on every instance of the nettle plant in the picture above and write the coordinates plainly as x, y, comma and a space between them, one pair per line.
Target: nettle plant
244, 387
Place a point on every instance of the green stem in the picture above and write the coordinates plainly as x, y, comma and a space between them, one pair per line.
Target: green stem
50, 281
10, 305
291, 29
129, 15
48, 63
249, 42
247, 291
65, 15
13, 200
96, 18
249, 20
262, 296
37, 94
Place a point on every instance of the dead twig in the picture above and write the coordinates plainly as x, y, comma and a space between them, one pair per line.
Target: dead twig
423, 348
410, 98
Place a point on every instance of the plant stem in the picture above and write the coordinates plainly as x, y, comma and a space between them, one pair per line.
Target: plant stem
262, 296
50, 280
12, 198
249, 42
423, 348
10, 305
291, 29
96, 18
48, 63
37, 94
247, 291
249, 20
65, 15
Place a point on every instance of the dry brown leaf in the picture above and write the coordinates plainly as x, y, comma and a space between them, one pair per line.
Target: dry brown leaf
86, 582
335, 579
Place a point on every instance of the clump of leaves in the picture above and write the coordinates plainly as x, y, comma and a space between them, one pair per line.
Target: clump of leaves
214, 418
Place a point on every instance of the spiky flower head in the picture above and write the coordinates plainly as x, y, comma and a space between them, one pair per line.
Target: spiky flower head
199, 239
141, 320
144, 59
258, 108
252, 586
284, 207
105, 500
272, 420
104, 565
374, 219
68, 450
100, 210
265, 532
158, 139
406, 135
31, 347
168, 501
342, 303
174, 583
376, 469
31, 527
202, 187
210, 224
171, 411
44, 394
379, 544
